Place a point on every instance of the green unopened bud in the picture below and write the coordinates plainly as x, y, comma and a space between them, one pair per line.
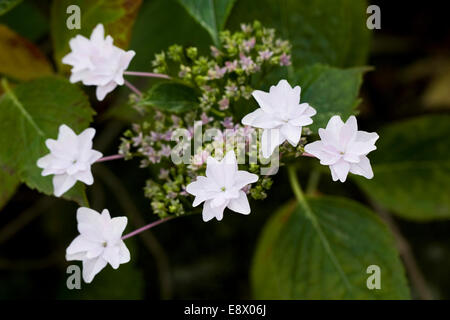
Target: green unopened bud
175, 52
192, 53
267, 183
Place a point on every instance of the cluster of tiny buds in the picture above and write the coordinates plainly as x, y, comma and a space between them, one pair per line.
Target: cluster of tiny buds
224, 77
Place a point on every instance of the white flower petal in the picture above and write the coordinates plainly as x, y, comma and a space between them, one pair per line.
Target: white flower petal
124, 253
92, 267
240, 204
85, 138
209, 212
102, 91
117, 227
362, 168
62, 183
112, 256
98, 33
349, 157
80, 256
341, 169
301, 121
367, 137
90, 224
84, 176
45, 161
79, 245
270, 139
348, 132
291, 133
264, 101
261, 119
244, 178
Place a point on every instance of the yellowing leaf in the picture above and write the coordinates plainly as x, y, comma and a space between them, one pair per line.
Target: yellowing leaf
19, 58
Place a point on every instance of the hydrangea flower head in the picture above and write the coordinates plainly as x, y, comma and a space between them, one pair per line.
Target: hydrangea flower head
222, 187
281, 116
70, 159
99, 243
344, 148
97, 62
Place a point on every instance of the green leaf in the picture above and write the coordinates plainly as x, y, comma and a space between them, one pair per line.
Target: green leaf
33, 113
412, 168
171, 97
331, 91
6, 5
293, 259
8, 185
19, 58
320, 31
210, 14
27, 19
117, 16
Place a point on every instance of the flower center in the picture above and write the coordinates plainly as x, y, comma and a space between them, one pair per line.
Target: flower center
223, 189
104, 244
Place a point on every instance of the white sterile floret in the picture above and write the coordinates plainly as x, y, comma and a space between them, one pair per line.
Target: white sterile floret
99, 243
97, 62
281, 116
222, 187
344, 148
70, 159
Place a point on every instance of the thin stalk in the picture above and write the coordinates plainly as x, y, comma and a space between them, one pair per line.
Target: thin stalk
133, 88
109, 158
147, 74
146, 227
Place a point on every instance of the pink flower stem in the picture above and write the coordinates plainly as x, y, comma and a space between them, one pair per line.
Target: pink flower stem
133, 88
146, 227
146, 74
306, 154
109, 158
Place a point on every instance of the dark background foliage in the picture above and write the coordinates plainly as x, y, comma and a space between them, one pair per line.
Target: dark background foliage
187, 258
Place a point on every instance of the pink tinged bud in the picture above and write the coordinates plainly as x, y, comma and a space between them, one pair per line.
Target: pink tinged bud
249, 44
165, 151
183, 191
224, 104
163, 174
155, 136
137, 140
191, 132
246, 28
265, 55
171, 195
215, 52
205, 119
246, 62
167, 136
285, 60
175, 120
231, 65
228, 123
